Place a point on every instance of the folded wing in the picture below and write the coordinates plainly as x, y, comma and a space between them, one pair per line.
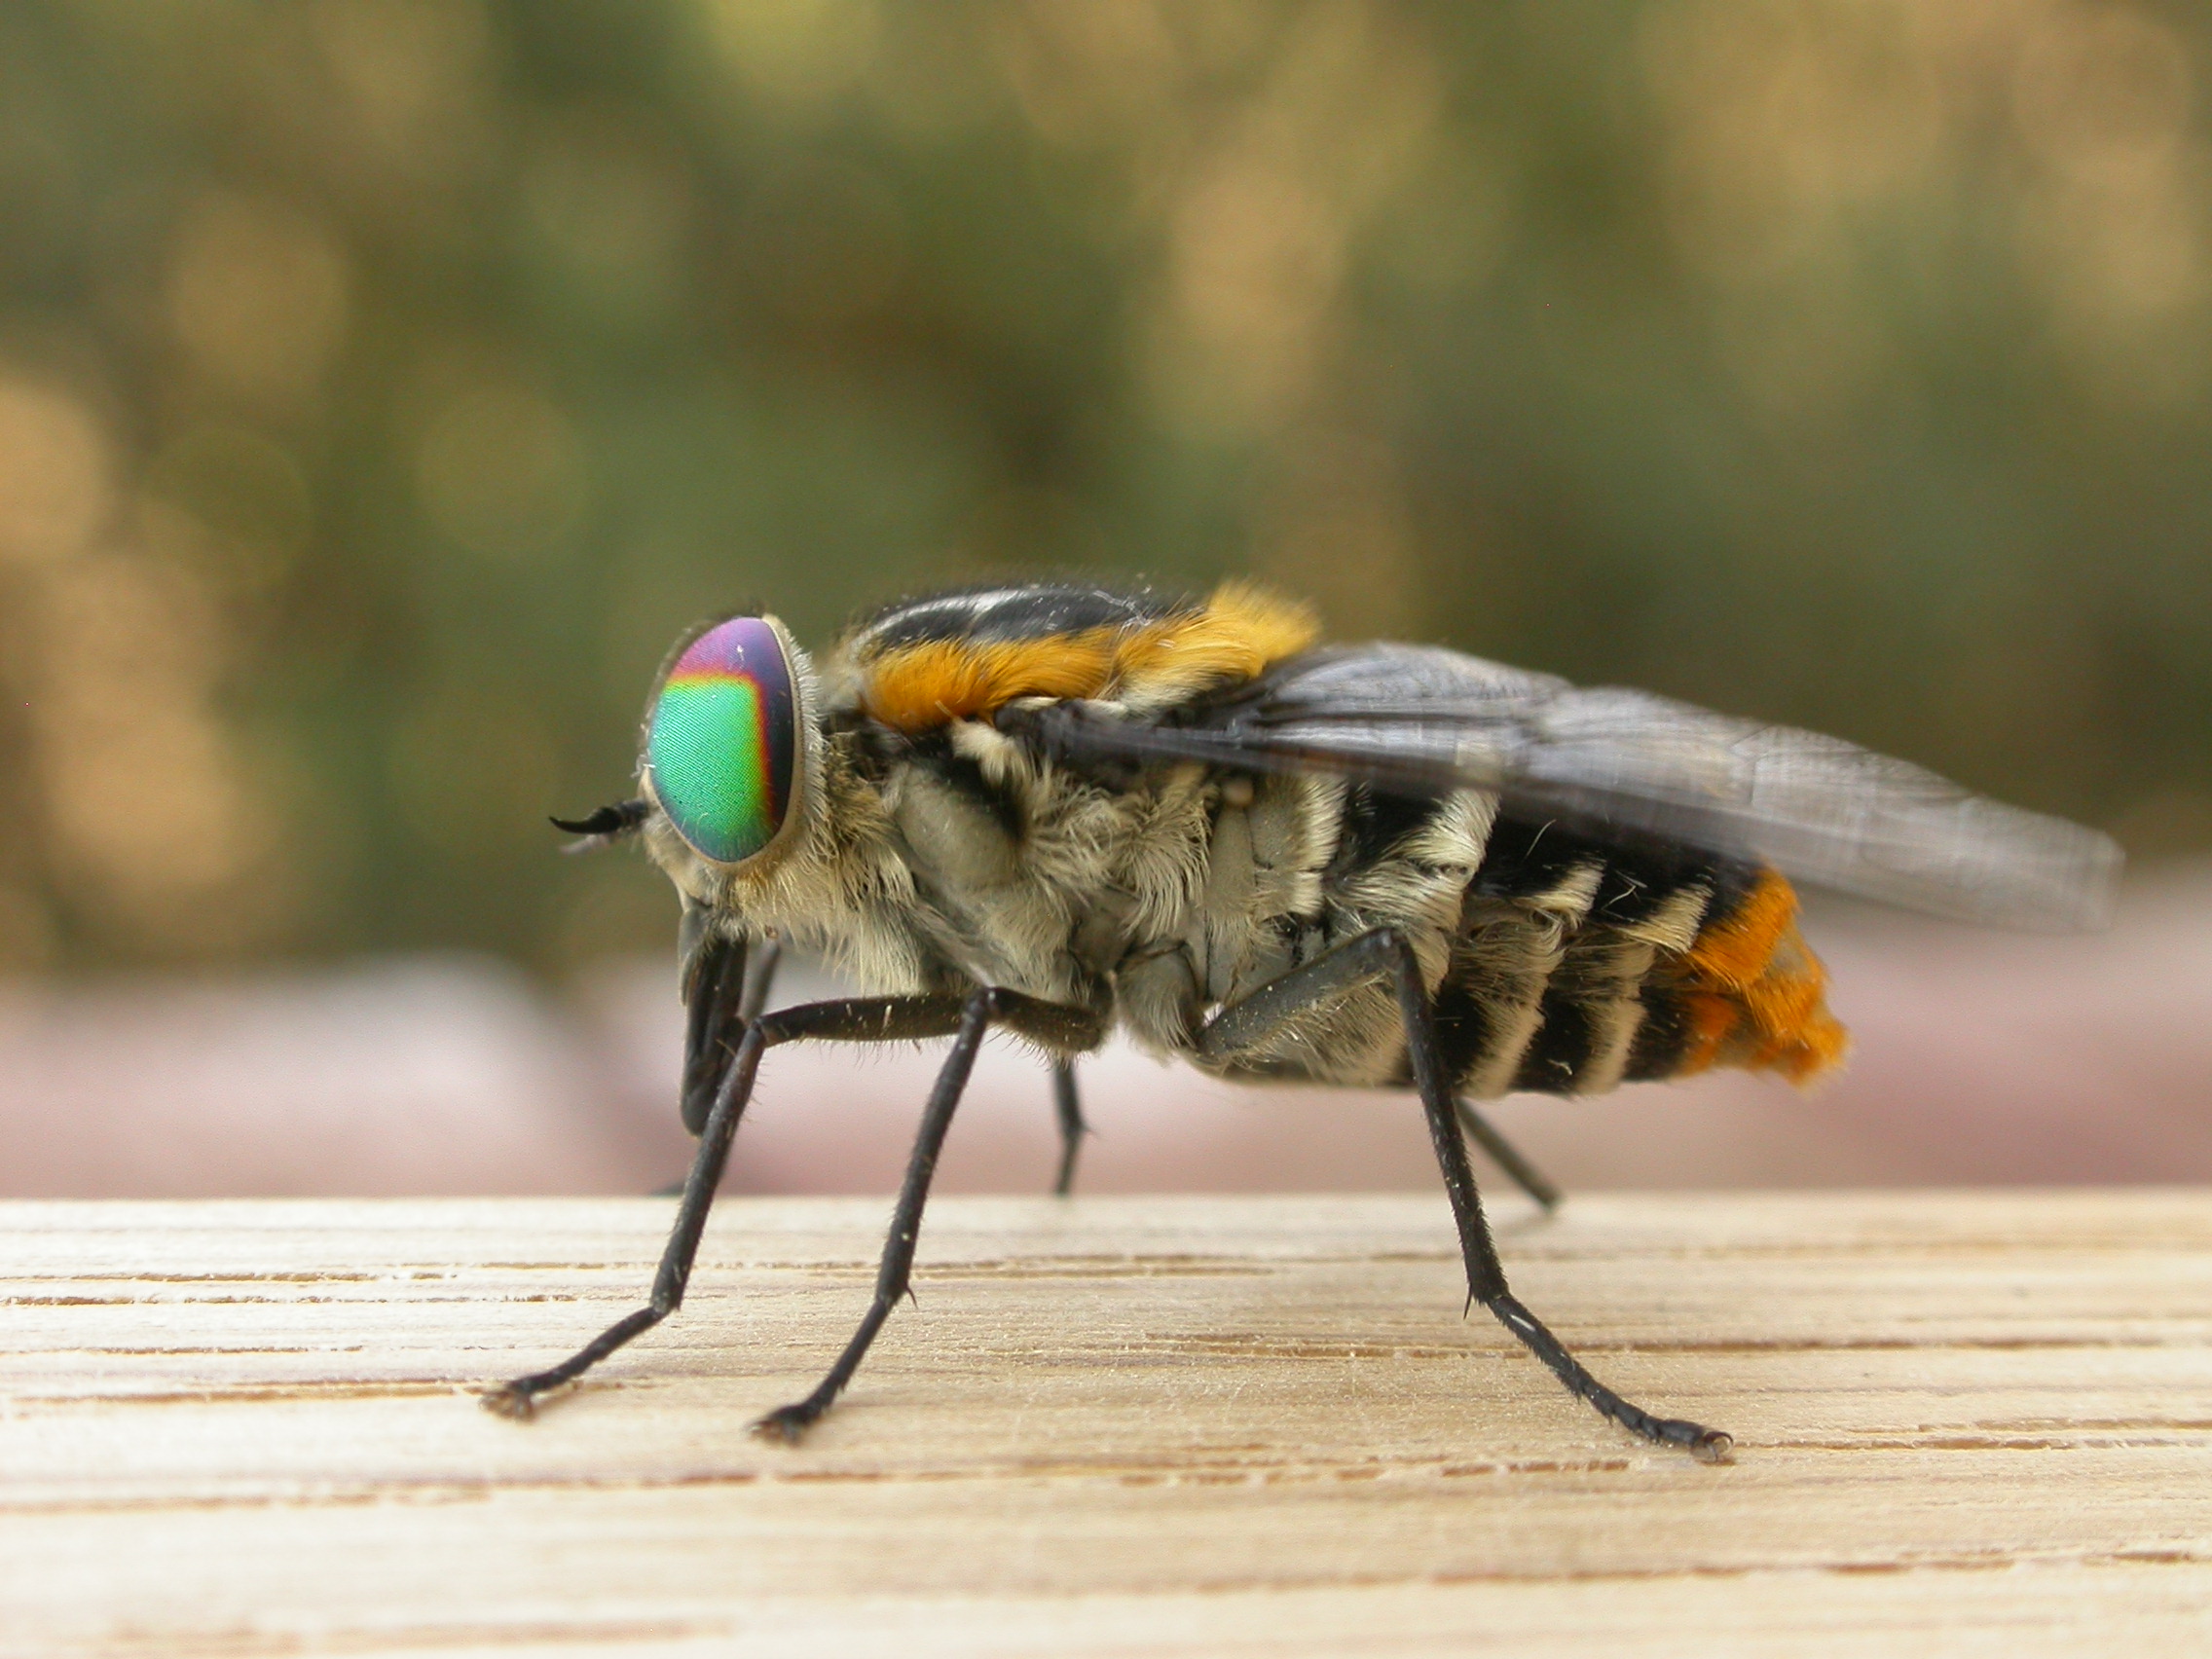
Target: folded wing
1415, 719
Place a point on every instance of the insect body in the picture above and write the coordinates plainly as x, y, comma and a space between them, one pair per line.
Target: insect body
1062, 809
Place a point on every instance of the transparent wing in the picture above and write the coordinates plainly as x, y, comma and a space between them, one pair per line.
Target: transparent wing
1412, 720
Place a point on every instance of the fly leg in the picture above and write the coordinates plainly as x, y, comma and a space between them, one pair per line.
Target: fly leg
1385, 953
1067, 1107
855, 1019
722, 995
710, 975
760, 982
1506, 1155
722, 1000
1044, 1021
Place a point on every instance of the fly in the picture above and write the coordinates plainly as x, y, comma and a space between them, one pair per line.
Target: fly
1063, 810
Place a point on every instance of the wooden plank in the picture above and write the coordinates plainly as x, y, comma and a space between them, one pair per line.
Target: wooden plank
1965, 1422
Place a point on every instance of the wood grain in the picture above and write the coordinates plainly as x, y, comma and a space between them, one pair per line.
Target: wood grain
1967, 1424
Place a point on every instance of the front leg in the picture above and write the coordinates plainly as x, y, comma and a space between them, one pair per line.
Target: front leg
855, 1019
1385, 953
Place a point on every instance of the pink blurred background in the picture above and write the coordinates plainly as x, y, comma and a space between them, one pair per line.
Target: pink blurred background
1979, 1057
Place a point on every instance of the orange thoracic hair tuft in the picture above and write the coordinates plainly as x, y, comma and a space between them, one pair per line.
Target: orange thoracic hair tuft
1237, 632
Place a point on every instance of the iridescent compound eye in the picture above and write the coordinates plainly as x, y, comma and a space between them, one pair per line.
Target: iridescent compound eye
720, 742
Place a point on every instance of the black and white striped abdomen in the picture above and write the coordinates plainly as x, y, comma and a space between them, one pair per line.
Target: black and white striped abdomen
1580, 965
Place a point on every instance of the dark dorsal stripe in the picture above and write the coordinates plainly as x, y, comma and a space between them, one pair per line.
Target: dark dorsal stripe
1023, 612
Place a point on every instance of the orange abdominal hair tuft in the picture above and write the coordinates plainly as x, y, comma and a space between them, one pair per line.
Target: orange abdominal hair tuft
1757, 995
1238, 631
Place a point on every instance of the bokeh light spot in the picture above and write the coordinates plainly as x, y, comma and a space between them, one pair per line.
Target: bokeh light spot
502, 470
54, 473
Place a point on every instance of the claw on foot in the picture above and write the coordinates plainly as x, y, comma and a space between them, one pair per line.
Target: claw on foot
785, 1424
509, 1400
1714, 1445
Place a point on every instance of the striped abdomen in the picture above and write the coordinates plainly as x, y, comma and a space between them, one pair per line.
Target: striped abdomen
1582, 965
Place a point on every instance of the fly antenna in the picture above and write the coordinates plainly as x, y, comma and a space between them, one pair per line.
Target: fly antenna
604, 827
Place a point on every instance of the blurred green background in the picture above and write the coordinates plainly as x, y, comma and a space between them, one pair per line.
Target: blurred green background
383, 384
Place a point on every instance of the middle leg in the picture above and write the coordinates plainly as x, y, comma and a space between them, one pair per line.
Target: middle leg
983, 1007
1067, 1109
